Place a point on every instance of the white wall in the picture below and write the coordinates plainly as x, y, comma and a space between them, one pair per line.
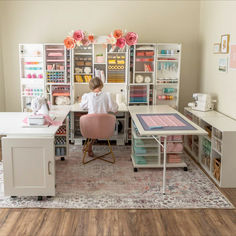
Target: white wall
49, 21
2, 89
217, 18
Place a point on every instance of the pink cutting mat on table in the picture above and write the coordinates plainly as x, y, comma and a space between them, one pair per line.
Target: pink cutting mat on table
162, 121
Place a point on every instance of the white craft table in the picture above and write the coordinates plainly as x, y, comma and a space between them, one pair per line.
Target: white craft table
157, 134
28, 154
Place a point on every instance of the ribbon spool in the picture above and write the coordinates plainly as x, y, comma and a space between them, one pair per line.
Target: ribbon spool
139, 79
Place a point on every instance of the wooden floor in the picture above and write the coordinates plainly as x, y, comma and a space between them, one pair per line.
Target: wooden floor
69, 222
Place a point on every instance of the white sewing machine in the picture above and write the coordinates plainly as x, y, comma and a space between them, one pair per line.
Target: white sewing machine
40, 108
203, 102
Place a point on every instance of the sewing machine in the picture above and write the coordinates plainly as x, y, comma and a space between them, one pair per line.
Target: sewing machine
40, 108
203, 102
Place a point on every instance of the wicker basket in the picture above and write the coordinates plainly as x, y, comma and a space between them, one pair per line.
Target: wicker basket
217, 164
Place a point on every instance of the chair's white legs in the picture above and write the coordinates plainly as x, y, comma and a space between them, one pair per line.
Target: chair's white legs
164, 165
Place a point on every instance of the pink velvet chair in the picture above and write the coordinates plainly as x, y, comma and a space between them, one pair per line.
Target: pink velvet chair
97, 126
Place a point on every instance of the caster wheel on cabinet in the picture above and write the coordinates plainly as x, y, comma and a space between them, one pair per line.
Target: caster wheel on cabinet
62, 158
135, 169
185, 168
40, 198
13, 196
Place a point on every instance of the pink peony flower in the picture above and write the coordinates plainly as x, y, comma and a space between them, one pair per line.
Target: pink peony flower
131, 38
118, 33
69, 42
120, 42
78, 35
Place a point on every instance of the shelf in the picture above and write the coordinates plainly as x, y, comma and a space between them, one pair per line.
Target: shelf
167, 60
206, 137
55, 60
54, 49
57, 83
148, 72
83, 74
83, 53
169, 55
141, 84
55, 70
215, 150
116, 52
217, 139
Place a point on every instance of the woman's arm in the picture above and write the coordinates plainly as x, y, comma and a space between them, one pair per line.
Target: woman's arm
113, 106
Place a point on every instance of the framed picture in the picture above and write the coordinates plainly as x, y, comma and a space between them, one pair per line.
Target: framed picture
224, 43
232, 57
223, 64
216, 48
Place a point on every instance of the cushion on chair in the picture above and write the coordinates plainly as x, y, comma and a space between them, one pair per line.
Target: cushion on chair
97, 126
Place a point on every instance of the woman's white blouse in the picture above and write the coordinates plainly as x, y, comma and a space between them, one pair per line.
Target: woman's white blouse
98, 103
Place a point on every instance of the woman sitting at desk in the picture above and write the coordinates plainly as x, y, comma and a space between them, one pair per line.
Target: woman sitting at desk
97, 102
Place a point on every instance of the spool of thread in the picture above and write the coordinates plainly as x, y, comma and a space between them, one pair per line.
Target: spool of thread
168, 90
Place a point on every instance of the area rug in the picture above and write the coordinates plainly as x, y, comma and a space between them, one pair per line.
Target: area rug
101, 185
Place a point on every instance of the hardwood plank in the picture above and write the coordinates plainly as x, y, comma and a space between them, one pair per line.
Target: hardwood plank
185, 222
49, 222
10, 220
26, 222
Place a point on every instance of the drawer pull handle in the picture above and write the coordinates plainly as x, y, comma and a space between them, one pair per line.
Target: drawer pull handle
49, 172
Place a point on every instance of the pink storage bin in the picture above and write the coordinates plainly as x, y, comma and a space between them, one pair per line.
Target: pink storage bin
100, 59
174, 158
173, 147
177, 138
55, 54
169, 138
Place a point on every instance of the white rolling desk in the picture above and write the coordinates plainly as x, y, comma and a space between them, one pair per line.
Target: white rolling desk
29, 155
157, 134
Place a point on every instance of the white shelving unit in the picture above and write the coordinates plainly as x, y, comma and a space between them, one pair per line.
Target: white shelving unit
58, 72
141, 85
146, 153
168, 62
111, 65
214, 152
32, 76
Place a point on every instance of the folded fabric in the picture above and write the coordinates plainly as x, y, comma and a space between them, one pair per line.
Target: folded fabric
48, 121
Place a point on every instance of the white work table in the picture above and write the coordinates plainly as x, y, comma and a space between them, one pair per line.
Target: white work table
11, 123
29, 154
158, 133
76, 108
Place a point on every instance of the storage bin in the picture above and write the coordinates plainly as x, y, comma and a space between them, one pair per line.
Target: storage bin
145, 150
217, 165
173, 147
151, 53
140, 54
174, 158
100, 59
140, 142
140, 160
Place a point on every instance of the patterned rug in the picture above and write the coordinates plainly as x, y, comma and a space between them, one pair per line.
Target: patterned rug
116, 186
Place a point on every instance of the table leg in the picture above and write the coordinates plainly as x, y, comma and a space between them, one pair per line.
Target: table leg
164, 165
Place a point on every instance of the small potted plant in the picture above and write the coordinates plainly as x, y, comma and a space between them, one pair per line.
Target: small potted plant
100, 58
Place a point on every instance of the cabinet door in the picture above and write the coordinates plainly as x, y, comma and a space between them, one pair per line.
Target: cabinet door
28, 166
